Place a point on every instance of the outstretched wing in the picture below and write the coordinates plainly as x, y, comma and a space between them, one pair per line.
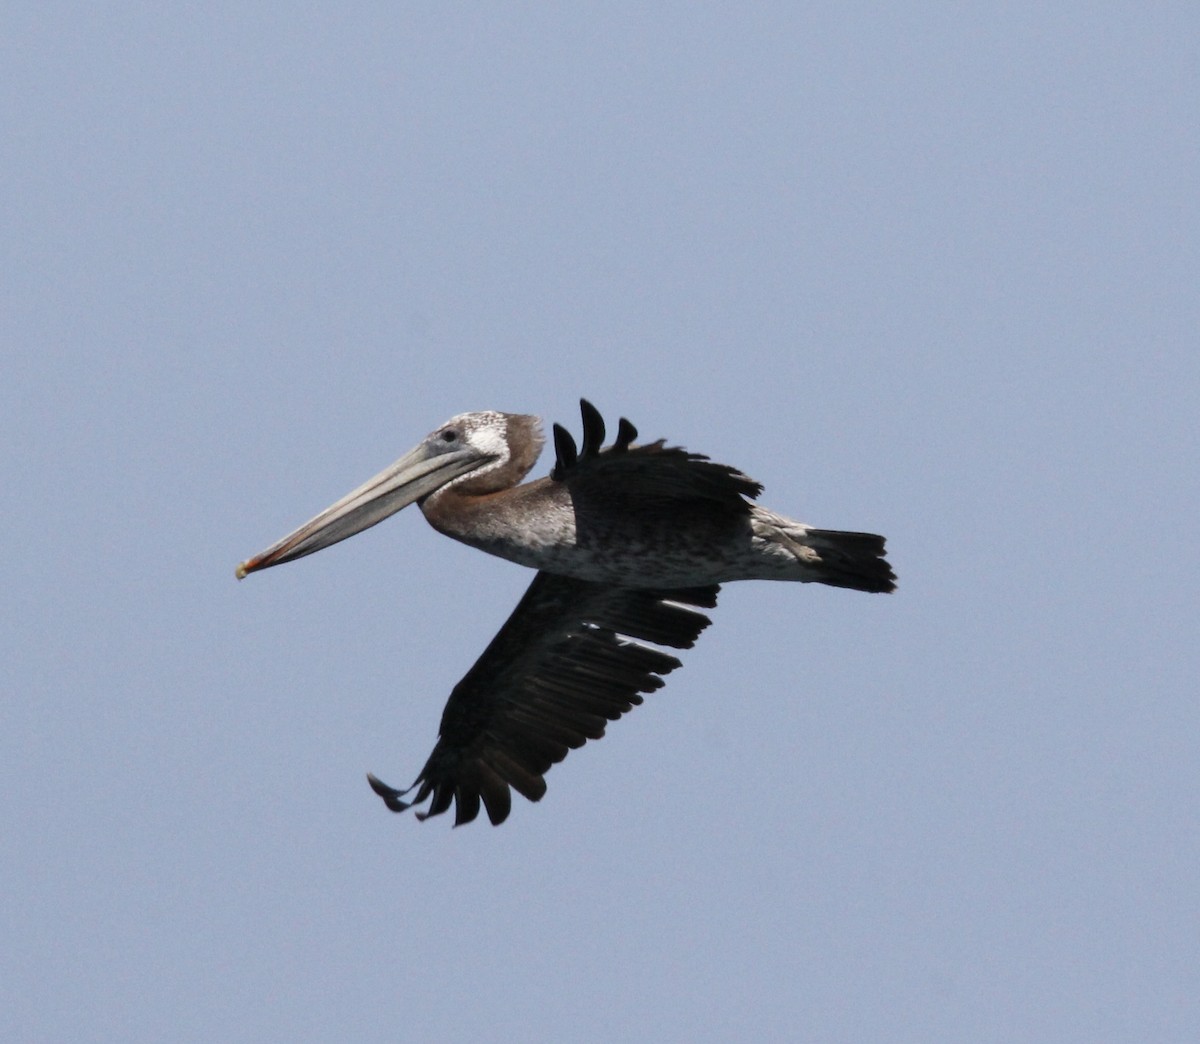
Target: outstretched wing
651, 474
567, 661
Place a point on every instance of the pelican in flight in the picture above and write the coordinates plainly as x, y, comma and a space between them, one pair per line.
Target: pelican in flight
630, 543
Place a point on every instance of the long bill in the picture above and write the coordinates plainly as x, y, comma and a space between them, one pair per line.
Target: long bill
414, 476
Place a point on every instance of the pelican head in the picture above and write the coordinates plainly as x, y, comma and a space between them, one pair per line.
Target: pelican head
475, 452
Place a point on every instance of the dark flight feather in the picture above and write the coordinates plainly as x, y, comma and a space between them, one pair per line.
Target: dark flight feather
567, 661
651, 473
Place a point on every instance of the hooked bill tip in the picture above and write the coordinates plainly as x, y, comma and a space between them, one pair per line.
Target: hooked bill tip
241, 570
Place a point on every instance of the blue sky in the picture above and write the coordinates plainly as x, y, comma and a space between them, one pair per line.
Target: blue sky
929, 271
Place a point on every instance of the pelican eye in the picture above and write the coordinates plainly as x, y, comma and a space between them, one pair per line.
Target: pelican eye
449, 435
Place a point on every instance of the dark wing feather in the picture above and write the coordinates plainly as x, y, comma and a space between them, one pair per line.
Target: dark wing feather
651, 473
565, 450
567, 661
593, 429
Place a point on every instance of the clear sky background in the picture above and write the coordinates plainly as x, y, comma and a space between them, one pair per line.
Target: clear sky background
925, 270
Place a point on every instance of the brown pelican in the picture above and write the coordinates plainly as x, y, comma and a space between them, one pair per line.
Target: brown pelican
630, 543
